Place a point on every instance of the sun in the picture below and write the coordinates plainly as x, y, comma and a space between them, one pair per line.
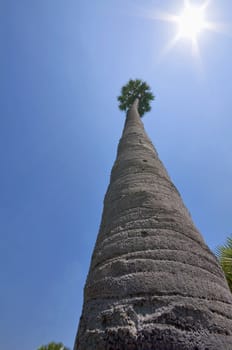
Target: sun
191, 21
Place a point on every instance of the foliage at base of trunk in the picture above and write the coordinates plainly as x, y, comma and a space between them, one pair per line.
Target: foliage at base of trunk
53, 346
224, 254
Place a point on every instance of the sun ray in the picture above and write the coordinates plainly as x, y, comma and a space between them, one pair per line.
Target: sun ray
158, 15
169, 46
205, 4
219, 27
195, 48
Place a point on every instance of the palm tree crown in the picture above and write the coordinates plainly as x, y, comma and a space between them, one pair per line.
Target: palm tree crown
224, 254
136, 89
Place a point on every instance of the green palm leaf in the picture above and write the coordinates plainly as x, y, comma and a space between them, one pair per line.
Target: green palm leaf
224, 254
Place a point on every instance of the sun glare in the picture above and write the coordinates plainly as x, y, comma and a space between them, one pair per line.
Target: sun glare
191, 22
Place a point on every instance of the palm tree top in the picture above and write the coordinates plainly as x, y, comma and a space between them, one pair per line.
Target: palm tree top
136, 89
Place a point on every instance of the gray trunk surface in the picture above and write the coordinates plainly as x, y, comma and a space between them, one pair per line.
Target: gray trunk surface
153, 283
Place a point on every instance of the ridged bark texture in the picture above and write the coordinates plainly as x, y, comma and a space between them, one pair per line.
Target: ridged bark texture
153, 283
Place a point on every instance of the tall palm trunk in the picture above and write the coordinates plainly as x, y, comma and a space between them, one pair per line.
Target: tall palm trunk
153, 283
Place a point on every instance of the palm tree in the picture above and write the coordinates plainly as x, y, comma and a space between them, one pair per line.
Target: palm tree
224, 254
153, 283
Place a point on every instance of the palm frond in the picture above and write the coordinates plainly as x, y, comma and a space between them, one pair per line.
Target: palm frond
224, 255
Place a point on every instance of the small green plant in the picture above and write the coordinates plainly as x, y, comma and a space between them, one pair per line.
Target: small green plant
53, 346
224, 255
136, 89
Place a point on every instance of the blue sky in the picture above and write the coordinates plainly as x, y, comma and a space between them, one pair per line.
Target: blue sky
62, 66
